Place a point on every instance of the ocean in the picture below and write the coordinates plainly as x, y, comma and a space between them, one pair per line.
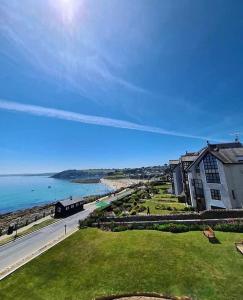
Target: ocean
20, 192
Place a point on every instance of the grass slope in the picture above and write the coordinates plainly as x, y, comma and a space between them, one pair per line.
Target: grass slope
92, 263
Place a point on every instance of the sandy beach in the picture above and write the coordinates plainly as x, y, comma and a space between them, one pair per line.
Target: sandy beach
117, 184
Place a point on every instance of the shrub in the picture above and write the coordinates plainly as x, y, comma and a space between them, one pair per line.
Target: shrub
133, 213
141, 208
188, 208
195, 227
182, 199
229, 227
82, 224
119, 228
123, 214
117, 210
175, 228
119, 202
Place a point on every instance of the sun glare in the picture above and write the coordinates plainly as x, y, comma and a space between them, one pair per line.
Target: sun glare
67, 10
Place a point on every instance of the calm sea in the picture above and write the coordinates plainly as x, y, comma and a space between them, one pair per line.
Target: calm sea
19, 192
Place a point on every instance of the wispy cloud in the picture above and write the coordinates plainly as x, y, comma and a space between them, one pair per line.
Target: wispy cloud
89, 119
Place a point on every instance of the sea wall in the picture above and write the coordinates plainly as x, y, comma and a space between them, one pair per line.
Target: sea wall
24, 217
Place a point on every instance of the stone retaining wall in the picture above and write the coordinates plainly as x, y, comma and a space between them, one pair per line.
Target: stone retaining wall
209, 222
23, 218
204, 215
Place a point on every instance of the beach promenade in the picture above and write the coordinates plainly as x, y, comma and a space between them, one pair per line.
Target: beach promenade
16, 253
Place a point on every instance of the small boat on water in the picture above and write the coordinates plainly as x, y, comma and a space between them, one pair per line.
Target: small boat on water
49, 186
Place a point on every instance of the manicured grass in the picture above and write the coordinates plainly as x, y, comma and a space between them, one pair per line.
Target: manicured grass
155, 210
93, 263
158, 201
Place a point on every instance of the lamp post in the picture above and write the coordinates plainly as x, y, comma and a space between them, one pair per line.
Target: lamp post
65, 229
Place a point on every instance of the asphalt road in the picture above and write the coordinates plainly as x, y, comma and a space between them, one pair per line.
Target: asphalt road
17, 250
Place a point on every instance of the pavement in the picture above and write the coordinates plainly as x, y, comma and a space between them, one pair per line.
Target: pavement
22, 229
16, 253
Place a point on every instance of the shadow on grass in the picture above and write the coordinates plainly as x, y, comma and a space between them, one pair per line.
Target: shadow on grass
214, 240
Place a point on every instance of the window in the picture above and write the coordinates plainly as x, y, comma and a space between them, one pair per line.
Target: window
59, 209
215, 194
213, 178
198, 187
211, 169
72, 206
67, 208
77, 204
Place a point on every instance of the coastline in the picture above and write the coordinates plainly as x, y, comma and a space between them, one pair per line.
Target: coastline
117, 184
26, 216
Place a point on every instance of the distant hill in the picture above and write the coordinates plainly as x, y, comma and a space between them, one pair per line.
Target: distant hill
96, 174
82, 174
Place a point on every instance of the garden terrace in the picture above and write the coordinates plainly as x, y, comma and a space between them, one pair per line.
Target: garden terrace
151, 198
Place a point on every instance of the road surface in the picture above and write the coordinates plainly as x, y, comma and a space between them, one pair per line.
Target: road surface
14, 252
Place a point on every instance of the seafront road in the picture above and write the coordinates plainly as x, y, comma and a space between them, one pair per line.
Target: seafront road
16, 253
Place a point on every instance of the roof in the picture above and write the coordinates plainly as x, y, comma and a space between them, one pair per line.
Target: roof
174, 161
227, 153
225, 146
229, 156
187, 157
67, 202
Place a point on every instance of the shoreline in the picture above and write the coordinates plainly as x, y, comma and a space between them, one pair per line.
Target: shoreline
117, 184
26, 216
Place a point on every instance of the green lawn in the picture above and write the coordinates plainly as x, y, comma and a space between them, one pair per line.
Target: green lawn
93, 263
159, 201
156, 207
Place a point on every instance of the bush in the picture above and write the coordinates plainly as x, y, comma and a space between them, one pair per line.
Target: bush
133, 213
141, 208
119, 228
123, 214
182, 199
117, 210
189, 208
82, 224
196, 227
175, 228
229, 227
118, 202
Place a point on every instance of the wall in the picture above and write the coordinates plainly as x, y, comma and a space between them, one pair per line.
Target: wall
177, 180
225, 201
234, 178
207, 214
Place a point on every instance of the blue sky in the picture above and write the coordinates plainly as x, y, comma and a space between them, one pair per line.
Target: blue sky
87, 84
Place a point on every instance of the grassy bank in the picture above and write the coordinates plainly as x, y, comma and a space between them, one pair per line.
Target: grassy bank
92, 263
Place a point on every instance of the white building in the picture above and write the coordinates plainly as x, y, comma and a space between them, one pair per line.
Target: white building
213, 177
